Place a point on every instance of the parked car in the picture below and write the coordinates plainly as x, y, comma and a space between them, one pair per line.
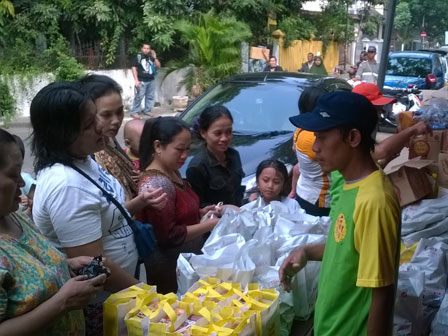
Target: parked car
261, 104
420, 68
443, 58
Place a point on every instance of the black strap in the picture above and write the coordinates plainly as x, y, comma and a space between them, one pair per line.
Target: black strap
109, 197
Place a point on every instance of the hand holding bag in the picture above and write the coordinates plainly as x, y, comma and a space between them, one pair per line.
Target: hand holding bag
144, 237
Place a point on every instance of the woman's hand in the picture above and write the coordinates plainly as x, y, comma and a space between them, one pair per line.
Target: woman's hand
79, 291
136, 176
155, 198
205, 210
211, 223
79, 262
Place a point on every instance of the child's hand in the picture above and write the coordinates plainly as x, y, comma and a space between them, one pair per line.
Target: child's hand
292, 194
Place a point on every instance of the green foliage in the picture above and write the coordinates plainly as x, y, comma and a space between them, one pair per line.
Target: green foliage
66, 68
7, 105
428, 16
6, 8
214, 47
334, 24
402, 21
296, 28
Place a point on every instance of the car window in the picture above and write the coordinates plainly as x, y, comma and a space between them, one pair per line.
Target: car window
255, 107
409, 66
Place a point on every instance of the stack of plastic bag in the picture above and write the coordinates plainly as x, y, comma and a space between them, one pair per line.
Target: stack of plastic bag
209, 308
425, 219
421, 288
250, 245
436, 114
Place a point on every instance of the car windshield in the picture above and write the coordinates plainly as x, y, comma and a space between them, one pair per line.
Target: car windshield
255, 107
409, 66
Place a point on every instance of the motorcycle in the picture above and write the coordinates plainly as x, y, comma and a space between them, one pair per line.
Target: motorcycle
408, 99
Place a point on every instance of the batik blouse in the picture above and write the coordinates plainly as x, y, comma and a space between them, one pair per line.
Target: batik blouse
31, 272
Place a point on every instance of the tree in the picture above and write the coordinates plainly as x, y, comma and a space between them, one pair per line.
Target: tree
402, 22
428, 16
214, 49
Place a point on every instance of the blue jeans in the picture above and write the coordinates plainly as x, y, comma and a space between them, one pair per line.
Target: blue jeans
145, 90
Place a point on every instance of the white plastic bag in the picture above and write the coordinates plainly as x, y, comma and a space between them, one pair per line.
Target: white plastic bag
409, 303
186, 275
430, 258
433, 230
418, 216
439, 325
251, 259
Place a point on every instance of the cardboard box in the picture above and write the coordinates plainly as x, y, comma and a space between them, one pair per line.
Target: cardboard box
428, 95
442, 172
257, 53
410, 180
444, 144
405, 120
426, 146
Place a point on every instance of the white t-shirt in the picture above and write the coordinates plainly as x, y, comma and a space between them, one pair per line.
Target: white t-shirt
71, 211
290, 204
313, 185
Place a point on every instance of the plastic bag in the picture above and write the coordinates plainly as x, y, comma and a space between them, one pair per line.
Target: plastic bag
436, 114
439, 325
433, 230
430, 258
418, 216
251, 259
186, 275
409, 303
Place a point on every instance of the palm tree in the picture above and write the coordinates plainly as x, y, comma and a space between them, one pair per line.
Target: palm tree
214, 50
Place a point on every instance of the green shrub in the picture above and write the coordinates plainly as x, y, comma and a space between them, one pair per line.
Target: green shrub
7, 104
296, 28
69, 69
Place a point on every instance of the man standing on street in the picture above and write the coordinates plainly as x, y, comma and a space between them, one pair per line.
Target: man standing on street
144, 71
360, 257
306, 67
272, 66
368, 70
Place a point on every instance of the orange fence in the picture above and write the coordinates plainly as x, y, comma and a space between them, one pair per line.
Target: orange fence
292, 57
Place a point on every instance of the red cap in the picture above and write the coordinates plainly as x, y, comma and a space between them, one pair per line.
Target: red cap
372, 93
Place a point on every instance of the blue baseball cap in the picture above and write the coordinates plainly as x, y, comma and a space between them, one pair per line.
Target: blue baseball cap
338, 109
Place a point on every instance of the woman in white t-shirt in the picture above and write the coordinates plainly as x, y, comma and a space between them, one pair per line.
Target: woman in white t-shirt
272, 176
69, 209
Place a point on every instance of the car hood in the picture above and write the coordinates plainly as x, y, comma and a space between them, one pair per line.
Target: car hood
404, 82
254, 148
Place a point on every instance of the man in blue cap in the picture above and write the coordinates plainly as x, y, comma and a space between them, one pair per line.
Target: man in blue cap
360, 257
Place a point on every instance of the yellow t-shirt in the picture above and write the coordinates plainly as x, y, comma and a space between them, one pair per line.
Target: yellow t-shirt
361, 253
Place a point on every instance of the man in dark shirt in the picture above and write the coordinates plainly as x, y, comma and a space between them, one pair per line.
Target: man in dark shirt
144, 70
306, 67
272, 66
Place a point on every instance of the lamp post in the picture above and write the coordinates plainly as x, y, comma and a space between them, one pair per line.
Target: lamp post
390, 14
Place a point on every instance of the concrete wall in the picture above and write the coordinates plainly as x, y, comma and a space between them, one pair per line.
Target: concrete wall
24, 90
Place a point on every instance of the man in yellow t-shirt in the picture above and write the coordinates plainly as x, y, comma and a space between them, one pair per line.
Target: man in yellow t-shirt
360, 258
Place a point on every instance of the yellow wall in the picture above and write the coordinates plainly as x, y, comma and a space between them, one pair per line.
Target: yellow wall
292, 58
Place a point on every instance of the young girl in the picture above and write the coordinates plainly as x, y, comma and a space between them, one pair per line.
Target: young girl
215, 172
272, 177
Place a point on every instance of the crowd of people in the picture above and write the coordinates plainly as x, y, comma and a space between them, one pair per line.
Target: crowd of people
66, 215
